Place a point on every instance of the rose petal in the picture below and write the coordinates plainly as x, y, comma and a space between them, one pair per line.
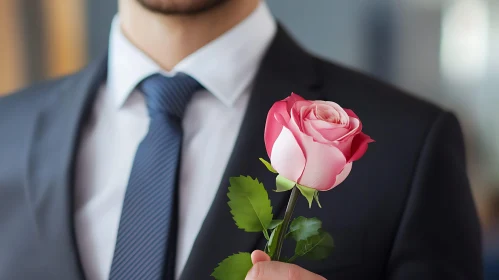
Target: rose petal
294, 123
295, 97
305, 111
356, 127
298, 134
320, 124
345, 147
333, 134
298, 110
341, 112
311, 115
359, 146
273, 127
327, 113
292, 99
323, 163
342, 176
310, 130
287, 157
350, 113
329, 131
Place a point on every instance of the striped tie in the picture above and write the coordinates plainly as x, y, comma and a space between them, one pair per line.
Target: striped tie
145, 246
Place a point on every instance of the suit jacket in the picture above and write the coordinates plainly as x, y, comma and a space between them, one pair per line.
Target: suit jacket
405, 212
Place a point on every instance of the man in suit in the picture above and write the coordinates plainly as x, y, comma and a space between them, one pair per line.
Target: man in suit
120, 171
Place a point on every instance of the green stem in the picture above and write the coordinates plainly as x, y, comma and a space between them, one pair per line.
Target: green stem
287, 219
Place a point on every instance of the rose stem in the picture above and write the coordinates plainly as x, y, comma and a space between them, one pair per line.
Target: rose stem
287, 218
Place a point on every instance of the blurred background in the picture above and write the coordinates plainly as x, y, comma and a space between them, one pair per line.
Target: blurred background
445, 51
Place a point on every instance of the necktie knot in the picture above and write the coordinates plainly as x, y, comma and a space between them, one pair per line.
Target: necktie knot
168, 95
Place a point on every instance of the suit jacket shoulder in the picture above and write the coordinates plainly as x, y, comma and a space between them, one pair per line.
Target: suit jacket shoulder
361, 87
20, 110
33, 97
19, 114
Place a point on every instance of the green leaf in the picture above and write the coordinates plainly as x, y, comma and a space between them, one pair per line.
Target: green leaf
272, 244
283, 184
302, 228
308, 193
249, 203
268, 165
317, 247
234, 267
275, 223
266, 234
316, 197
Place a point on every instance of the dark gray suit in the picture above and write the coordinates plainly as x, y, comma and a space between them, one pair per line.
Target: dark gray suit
405, 212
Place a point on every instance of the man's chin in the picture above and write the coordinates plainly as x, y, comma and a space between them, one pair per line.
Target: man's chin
180, 7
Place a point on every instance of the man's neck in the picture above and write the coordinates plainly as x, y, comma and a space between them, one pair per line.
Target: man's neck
168, 39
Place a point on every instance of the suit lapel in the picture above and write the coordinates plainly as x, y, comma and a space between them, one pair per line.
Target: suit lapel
52, 157
284, 69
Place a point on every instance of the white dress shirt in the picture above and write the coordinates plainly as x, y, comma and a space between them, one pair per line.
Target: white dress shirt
119, 121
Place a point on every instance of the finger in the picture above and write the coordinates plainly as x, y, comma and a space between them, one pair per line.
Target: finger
280, 271
259, 256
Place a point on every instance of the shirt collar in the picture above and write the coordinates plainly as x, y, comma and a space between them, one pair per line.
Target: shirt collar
225, 67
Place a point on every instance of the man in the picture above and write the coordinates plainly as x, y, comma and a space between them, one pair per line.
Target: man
91, 164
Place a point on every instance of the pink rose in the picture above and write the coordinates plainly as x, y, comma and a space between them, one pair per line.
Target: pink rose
313, 143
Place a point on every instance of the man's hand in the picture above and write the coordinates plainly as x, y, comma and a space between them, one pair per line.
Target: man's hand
264, 269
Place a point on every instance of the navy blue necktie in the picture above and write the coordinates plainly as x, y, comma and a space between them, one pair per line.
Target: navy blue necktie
145, 246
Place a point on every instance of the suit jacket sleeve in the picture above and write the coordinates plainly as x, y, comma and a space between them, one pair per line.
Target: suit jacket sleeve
439, 234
